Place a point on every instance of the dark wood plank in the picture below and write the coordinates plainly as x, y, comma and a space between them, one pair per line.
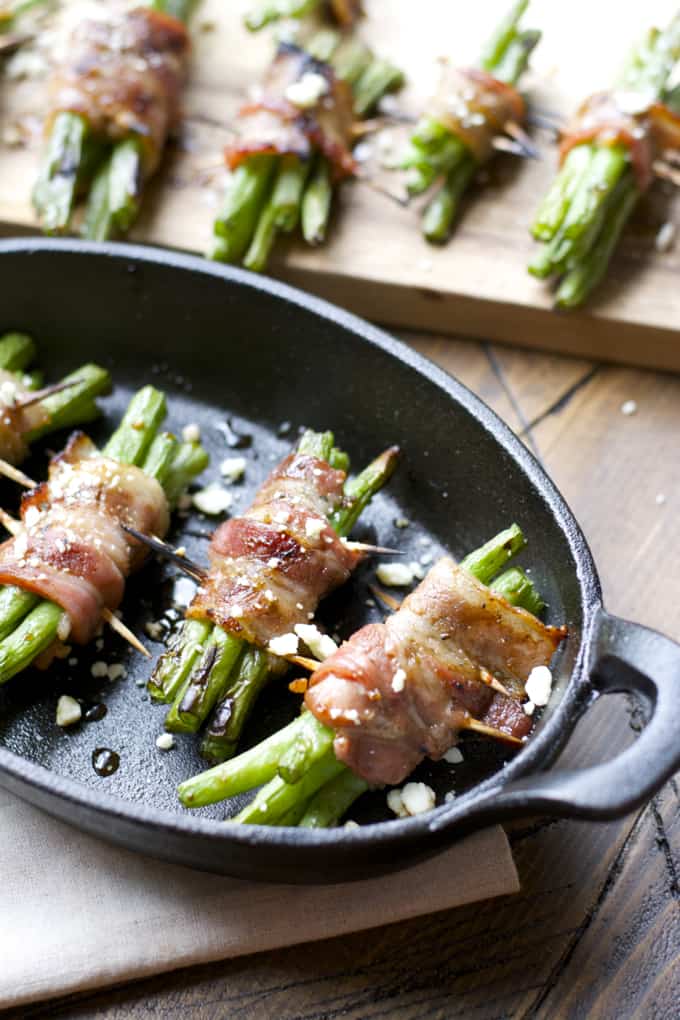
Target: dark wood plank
520, 385
626, 959
612, 468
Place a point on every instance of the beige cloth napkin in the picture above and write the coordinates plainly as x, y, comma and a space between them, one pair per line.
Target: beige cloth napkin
77, 914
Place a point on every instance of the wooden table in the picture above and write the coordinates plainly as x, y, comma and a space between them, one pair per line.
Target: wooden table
595, 931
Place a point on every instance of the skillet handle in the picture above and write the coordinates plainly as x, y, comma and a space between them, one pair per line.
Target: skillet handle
630, 658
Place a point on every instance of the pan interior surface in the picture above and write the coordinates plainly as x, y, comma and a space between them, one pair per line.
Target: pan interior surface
251, 368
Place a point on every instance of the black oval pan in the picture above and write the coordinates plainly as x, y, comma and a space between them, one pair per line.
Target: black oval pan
225, 344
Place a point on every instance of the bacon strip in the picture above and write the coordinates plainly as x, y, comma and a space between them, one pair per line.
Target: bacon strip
647, 128
399, 691
270, 568
73, 550
274, 125
475, 107
15, 420
124, 73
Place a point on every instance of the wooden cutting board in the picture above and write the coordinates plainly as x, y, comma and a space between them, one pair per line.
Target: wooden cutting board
375, 262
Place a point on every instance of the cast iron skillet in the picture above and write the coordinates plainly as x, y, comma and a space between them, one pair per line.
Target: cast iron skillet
224, 344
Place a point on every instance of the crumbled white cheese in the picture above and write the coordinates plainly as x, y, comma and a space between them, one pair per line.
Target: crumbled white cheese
453, 756
64, 627
412, 799
273, 562
233, 468
399, 681
396, 804
165, 742
308, 90
395, 575
21, 545
448, 797
99, 669
417, 570
314, 527
284, 644
320, 645
191, 433
117, 671
418, 798
154, 629
32, 516
212, 500
539, 685
8, 393
362, 152
665, 238
628, 407
401, 522
351, 824
69, 711
529, 707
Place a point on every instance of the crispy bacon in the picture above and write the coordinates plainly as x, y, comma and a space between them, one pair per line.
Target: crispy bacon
124, 73
270, 568
16, 420
475, 107
647, 128
399, 691
273, 124
72, 549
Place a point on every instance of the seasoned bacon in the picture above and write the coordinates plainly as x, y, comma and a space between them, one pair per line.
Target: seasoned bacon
270, 568
73, 550
273, 124
475, 107
399, 691
15, 420
647, 129
124, 73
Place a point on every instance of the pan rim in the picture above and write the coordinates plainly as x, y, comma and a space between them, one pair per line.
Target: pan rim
540, 748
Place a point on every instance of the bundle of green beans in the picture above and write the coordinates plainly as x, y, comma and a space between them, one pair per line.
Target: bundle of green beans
436, 153
30, 624
71, 404
269, 194
302, 781
77, 162
592, 197
208, 670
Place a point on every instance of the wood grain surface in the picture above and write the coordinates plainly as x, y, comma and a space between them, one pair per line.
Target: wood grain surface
376, 262
595, 931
